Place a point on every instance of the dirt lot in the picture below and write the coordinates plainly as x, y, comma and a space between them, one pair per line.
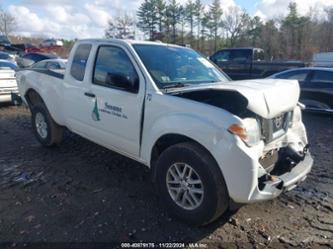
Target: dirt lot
81, 192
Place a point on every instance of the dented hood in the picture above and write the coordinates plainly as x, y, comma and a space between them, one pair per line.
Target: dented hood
267, 97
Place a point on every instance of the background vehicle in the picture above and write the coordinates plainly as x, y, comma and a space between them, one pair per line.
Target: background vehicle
4, 41
57, 65
208, 141
323, 59
249, 63
8, 85
51, 42
7, 56
21, 48
316, 87
31, 58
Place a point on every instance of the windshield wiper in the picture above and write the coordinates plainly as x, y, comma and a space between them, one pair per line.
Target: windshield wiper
174, 85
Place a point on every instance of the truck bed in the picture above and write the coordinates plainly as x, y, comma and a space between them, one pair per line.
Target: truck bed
54, 73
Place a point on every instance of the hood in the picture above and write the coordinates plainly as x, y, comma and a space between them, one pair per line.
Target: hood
267, 97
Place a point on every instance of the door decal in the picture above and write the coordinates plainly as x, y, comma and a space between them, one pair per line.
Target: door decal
95, 113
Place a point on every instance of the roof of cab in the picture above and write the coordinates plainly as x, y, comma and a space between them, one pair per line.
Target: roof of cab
125, 41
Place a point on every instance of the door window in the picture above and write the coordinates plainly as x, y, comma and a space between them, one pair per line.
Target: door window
241, 55
114, 69
29, 57
323, 77
53, 65
39, 65
295, 75
80, 61
258, 55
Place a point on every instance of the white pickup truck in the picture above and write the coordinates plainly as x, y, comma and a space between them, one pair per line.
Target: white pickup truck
209, 142
8, 85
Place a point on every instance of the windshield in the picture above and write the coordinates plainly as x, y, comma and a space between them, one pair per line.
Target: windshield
170, 66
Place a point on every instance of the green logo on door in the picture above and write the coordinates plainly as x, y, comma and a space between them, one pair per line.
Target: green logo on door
95, 112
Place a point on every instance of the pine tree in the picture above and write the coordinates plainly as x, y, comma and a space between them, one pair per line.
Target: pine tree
190, 12
173, 16
214, 20
148, 18
199, 10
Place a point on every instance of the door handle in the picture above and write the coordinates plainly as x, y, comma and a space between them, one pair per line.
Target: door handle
91, 95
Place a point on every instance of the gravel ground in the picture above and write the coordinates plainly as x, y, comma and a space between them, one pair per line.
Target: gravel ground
81, 192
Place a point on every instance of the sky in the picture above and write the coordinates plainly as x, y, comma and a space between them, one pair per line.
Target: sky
88, 18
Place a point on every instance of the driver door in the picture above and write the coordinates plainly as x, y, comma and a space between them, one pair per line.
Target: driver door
118, 96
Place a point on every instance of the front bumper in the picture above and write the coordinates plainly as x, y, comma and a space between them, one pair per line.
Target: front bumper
243, 172
286, 182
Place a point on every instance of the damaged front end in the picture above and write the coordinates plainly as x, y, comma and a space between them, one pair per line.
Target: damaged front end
279, 163
271, 151
285, 160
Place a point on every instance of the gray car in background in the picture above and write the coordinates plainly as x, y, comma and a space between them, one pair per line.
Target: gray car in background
31, 58
8, 57
316, 87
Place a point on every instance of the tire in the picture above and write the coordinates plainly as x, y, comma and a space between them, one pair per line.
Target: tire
215, 199
53, 133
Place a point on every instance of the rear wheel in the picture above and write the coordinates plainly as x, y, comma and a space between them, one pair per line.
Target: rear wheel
191, 184
46, 130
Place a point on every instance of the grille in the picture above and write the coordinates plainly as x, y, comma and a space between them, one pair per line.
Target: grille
275, 127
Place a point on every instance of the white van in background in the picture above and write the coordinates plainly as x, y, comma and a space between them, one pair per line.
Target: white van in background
323, 59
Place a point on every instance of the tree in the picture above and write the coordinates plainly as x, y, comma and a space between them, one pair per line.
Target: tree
182, 22
160, 7
269, 39
7, 22
122, 27
233, 22
254, 29
190, 12
325, 31
292, 29
148, 18
213, 20
199, 10
173, 16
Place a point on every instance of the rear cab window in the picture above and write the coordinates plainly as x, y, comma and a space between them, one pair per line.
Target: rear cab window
79, 62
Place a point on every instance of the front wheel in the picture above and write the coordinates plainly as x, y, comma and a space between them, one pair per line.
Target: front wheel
46, 130
191, 184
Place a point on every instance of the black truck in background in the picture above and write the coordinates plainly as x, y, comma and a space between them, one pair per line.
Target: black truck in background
249, 63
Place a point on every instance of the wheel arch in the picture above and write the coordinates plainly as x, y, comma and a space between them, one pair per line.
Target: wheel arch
167, 140
34, 98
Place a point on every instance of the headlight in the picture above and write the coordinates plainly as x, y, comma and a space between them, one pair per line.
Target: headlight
248, 131
297, 115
